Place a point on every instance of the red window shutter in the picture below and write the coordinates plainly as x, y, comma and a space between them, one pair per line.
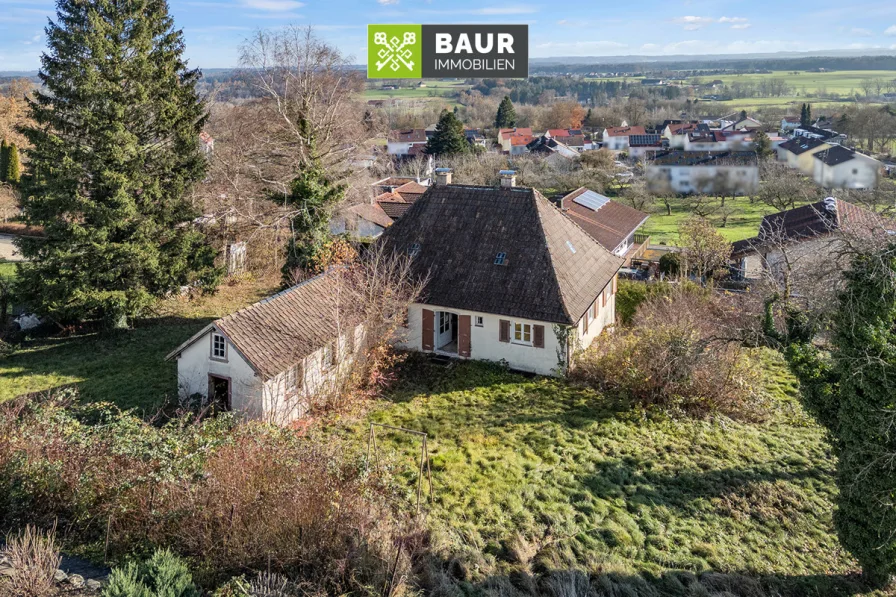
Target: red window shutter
538, 336
504, 331
616, 277
463, 335
428, 329
603, 298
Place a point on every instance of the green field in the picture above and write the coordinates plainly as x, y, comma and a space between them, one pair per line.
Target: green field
842, 82
434, 90
541, 475
742, 223
126, 367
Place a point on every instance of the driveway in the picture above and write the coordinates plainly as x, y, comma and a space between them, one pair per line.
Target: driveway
8, 251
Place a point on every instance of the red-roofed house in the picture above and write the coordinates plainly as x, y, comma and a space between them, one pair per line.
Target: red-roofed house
616, 137
518, 144
504, 136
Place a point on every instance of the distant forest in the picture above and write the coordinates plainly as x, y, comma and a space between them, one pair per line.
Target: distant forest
698, 66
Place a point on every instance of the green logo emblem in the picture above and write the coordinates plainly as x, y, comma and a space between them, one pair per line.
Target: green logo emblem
394, 51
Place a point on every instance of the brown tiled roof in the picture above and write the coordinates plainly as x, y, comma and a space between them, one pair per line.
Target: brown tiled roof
278, 332
521, 139
372, 213
558, 132
388, 184
575, 140
625, 131
411, 191
408, 136
554, 270
507, 133
609, 225
394, 209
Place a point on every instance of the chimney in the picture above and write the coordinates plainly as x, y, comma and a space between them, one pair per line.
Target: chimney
443, 176
508, 178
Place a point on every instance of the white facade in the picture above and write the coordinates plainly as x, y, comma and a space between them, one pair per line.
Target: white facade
616, 143
741, 179
401, 147
861, 172
281, 399
522, 355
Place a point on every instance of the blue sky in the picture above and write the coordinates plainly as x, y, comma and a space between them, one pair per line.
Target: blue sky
214, 29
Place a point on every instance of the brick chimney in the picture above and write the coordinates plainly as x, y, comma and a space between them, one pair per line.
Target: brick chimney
443, 176
508, 178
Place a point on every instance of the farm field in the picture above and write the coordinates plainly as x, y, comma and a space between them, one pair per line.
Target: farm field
434, 90
842, 82
541, 475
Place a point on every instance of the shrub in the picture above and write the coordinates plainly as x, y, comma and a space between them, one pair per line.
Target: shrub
163, 575
676, 355
34, 559
670, 264
238, 498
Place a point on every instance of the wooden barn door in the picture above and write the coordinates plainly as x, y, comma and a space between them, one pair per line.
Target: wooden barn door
428, 329
463, 335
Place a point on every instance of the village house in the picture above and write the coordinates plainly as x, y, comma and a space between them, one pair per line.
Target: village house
798, 153
839, 167
616, 137
510, 277
551, 146
403, 143
613, 225
743, 124
814, 132
685, 172
642, 146
676, 133
806, 233
397, 201
505, 136
362, 221
790, 123
269, 360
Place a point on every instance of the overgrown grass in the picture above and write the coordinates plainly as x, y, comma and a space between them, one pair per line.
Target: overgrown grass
125, 367
538, 475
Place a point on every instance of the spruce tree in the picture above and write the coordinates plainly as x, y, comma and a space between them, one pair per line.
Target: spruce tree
13, 167
4, 160
449, 138
506, 117
114, 154
762, 144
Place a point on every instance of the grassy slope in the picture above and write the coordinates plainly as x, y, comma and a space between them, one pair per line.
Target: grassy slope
743, 223
586, 483
126, 367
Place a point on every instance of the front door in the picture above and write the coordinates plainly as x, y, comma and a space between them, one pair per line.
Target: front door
219, 392
446, 331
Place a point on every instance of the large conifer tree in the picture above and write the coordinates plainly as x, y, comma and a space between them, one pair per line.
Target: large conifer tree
449, 138
114, 153
506, 116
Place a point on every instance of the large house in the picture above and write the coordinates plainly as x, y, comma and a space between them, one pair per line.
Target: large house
506, 136
269, 360
613, 225
510, 278
798, 153
406, 143
721, 172
839, 167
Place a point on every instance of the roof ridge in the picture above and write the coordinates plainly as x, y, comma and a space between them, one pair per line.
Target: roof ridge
274, 296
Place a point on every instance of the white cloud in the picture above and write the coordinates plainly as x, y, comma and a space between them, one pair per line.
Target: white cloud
387, 2
273, 5
692, 23
741, 26
733, 20
891, 30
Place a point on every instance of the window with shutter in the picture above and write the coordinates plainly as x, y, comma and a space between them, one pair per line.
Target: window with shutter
504, 331
603, 298
538, 336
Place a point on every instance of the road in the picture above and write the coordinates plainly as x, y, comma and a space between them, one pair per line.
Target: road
8, 251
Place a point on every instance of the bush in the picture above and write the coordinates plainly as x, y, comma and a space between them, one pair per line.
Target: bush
237, 498
670, 264
34, 559
163, 575
675, 355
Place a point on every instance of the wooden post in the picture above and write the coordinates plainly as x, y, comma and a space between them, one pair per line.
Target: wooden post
108, 532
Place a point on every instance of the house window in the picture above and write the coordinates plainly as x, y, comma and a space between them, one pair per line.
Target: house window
219, 347
444, 322
292, 378
499, 259
522, 333
478, 321
592, 311
327, 357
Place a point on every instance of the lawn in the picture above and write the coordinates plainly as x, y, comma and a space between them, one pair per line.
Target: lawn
742, 223
125, 367
536, 474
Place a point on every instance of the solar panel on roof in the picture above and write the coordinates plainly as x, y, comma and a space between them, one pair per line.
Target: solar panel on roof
591, 200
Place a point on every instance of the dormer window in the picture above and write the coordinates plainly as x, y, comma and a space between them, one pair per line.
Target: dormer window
499, 259
414, 249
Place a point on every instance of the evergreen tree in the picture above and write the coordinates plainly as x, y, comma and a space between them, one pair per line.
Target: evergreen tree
853, 394
449, 138
13, 168
114, 154
805, 115
506, 117
4, 160
762, 144
313, 195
